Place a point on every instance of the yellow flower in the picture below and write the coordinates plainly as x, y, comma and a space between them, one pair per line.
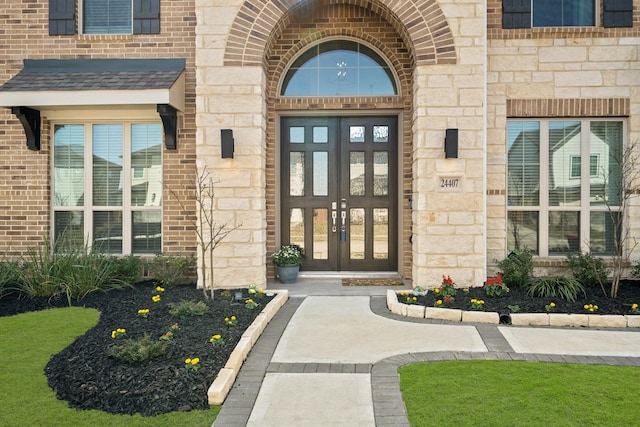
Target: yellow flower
439, 302
586, 306
465, 290
436, 290
159, 289
233, 317
187, 361
553, 304
634, 306
155, 298
195, 360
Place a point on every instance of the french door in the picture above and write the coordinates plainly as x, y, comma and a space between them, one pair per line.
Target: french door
339, 191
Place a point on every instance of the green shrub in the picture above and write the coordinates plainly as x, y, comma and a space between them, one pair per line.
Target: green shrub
188, 308
132, 351
128, 269
171, 270
517, 268
635, 270
9, 275
589, 270
563, 287
75, 273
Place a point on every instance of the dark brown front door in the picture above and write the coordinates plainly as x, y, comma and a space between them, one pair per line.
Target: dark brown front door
339, 197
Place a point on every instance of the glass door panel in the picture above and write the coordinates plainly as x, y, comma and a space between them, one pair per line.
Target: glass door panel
381, 233
320, 234
296, 227
339, 191
356, 233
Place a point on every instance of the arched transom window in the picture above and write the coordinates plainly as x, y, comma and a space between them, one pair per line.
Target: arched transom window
339, 68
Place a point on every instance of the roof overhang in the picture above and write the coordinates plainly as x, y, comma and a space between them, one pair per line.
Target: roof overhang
47, 100
51, 85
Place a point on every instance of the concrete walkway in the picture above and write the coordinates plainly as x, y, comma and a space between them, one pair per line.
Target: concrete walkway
331, 354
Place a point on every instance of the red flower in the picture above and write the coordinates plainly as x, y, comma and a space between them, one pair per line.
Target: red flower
447, 300
447, 280
499, 279
491, 281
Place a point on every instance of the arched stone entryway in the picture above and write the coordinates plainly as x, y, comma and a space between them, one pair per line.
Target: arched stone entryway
403, 41
419, 23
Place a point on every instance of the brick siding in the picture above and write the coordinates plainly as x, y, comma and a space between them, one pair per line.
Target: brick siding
25, 177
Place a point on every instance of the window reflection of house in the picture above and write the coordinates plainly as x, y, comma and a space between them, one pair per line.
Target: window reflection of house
69, 175
563, 176
146, 177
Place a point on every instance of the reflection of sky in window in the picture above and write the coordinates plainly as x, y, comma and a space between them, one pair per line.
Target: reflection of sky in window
516, 129
145, 136
331, 70
107, 143
563, 13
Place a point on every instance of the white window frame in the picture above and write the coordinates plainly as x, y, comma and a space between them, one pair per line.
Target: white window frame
543, 208
81, 22
127, 208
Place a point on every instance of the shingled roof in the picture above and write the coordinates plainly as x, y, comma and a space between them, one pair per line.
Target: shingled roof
95, 74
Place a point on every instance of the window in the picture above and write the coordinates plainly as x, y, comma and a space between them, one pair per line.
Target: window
107, 182
556, 203
104, 17
563, 13
107, 16
566, 13
339, 68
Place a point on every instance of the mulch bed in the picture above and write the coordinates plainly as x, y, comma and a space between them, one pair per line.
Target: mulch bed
628, 294
88, 378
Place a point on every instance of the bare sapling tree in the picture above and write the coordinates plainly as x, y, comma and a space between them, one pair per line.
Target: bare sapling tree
621, 183
208, 233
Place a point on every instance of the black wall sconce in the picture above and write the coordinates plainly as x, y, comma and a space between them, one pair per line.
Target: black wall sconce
451, 144
226, 138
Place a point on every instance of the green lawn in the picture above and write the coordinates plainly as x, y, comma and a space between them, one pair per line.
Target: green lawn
503, 393
27, 342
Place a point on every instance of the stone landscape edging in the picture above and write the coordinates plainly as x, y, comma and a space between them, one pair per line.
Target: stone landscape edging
519, 319
223, 382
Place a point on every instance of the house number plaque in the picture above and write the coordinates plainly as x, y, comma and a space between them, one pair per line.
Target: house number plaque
449, 184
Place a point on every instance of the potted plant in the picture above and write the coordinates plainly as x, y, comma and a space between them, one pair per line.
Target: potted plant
288, 260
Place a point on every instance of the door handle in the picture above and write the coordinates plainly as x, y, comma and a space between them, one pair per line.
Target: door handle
343, 217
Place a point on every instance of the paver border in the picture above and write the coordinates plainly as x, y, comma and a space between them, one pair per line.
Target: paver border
388, 406
517, 319
219, 389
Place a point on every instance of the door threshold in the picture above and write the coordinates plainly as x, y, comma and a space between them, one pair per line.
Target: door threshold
349, 275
